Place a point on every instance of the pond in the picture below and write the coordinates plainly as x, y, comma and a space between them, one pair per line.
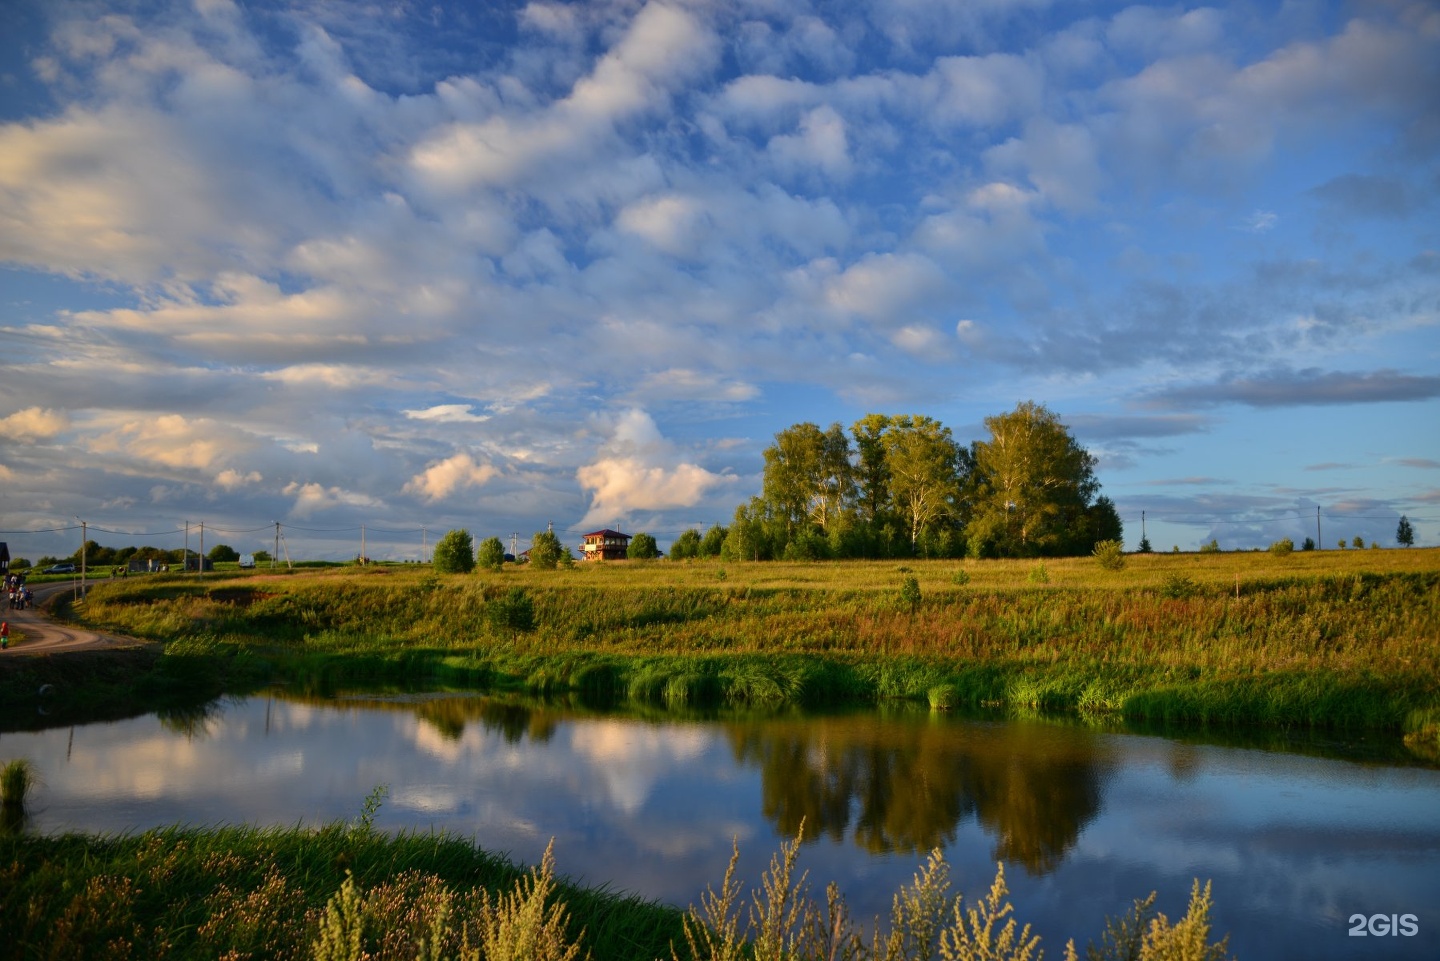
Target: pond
1295, 841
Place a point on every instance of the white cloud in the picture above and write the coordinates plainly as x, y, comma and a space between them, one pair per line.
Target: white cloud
663, 46
821, 144
448, 414
171, 440
311, 497
637, 470
443, 478
230, 479
33, 423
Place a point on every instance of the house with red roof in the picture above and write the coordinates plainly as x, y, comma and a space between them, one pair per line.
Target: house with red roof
606, 545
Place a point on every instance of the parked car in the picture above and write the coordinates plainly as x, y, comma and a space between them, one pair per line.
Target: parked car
59, 569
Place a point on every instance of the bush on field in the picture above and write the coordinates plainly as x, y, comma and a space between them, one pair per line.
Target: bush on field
1110, 554
1282, 547
491, 554
455, 553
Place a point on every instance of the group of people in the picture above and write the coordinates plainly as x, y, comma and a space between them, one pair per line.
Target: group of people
20, 595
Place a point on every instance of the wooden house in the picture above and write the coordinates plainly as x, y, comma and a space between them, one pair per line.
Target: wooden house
606, 545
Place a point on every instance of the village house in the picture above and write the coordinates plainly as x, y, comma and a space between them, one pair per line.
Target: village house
606, 545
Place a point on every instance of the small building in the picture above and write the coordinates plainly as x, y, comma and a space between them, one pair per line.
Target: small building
606, 545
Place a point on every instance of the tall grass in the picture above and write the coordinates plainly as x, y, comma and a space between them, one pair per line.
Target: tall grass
17, 777
346, 894
1319, 639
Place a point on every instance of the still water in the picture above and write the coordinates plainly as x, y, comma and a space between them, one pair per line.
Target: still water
1085, 821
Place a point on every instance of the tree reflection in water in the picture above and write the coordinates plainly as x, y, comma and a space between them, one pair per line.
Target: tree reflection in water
906, 786
894, 784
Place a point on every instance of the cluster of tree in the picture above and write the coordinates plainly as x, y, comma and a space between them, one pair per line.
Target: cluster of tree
98, 555
691, 544
901, 486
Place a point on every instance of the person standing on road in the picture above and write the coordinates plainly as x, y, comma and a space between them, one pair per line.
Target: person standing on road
4, 635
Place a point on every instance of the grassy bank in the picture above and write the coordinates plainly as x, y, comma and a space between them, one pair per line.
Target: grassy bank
245, 892
1339, 639
350, 894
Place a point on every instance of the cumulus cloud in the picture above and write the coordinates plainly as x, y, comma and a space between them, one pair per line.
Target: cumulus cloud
230, 479
33, 423
172, 441
311, 498
443, 478
638, 470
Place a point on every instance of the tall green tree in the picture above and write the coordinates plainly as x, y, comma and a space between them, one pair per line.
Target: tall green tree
872, 472
686, 546
454, 553
713, 541
642, 547
924, 465
1033, 484
1404, 533
756, 533
545, 550
808, 475
491, 554
223, 553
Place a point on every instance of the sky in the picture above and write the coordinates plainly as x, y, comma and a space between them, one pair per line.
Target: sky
381, 270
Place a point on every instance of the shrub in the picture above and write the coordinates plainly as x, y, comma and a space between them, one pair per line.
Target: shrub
910, 592
545, 550
513, 614
1358, 541
1110, 554
1211, 548
960, 577
1179, 587
491, 554
642, 548
1038, 574
455, 553
714, 540
1309, 544
1145, 545
1282, 547
686, 546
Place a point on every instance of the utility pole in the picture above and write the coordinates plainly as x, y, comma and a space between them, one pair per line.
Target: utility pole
275, 555
186, 555
199, 561
424, 538
514, 542
1142, 526
84, 536
1319, 541
362, 543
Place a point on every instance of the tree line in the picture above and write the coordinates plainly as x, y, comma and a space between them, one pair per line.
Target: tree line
95, 554
903, 486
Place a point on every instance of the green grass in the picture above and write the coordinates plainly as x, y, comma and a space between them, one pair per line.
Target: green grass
348, 892
1338, 639
182, 893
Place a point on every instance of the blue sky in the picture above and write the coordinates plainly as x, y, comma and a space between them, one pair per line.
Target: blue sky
427, 266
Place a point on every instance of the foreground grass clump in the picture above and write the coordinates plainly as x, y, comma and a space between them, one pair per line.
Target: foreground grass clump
336, 892
1315, 638
239, 893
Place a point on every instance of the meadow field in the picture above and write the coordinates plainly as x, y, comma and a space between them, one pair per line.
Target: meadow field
1334, 639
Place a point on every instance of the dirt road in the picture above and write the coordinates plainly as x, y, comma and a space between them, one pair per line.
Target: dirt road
45, 636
